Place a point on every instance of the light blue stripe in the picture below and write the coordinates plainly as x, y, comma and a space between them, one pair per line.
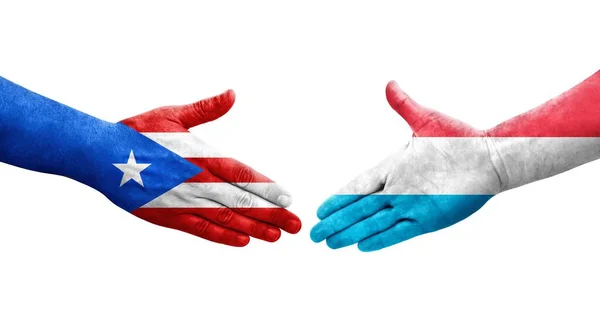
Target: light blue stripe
430, 212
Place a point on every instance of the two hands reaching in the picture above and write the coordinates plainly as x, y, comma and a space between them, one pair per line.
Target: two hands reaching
153, 167
443, 175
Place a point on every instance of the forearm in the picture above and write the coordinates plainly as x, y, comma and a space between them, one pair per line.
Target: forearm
39, 134
557, 136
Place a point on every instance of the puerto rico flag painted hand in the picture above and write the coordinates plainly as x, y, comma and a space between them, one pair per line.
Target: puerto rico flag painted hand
225, 200
149, 165
449, 170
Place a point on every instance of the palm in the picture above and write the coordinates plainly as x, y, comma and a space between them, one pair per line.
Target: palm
443, 175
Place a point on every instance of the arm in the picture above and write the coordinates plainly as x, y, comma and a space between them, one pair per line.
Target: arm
449, 170
149, 165
40, 134
557, 136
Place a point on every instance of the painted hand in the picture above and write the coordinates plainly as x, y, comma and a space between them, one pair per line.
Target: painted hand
220, 199
149, 165
444, 174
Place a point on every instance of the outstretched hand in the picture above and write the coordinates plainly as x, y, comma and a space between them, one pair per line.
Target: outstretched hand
223, 200
444, 174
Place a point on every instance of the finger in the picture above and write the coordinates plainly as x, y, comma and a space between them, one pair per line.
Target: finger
279, 217
198, 226
233, 220
210, 231
191, 115
412, 112
348, 216
372, 225
367, 183
208, 194
256, 207
401, 231
243, 176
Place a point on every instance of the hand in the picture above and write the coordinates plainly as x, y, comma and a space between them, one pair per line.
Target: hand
444, 174
216, 198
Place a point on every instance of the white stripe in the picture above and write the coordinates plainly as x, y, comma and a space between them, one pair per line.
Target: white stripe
462, 165
528, 159
184, 144
207, 195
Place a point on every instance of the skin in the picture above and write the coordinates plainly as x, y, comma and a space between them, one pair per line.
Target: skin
425, 166
214, 197
226, 223
448, 169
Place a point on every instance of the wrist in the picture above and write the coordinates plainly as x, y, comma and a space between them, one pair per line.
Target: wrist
496, 154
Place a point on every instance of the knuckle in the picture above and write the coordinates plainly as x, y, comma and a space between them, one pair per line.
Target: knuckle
376, 224
253, 227
202, 226
224, 216
200, 108
269, 192
243, 175
244, 200
276, 217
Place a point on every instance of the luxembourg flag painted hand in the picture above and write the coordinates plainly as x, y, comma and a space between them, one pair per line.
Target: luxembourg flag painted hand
448, 170
443, 175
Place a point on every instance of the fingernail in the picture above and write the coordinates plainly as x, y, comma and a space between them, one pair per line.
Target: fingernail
293, 226
272, 235
284, 200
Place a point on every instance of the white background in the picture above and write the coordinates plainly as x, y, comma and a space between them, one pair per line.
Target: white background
311, 114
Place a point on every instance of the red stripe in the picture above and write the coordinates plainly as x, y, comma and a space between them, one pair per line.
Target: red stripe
437, 124
158, 120
279, 217
224, 169
575, 113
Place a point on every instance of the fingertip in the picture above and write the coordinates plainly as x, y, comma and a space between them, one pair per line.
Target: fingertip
335, 203
333, 243
293, 225
224, 101
284, 200
322, 212
330, 206
395, 96
241, 240
229, 97
272, 234
366, 247
392, 84
316, 234
206, 110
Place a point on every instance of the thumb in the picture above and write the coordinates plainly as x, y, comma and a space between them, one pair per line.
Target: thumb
191, 115
412, 112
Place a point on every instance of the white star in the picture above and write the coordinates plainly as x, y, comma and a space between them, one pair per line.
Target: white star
131, 170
